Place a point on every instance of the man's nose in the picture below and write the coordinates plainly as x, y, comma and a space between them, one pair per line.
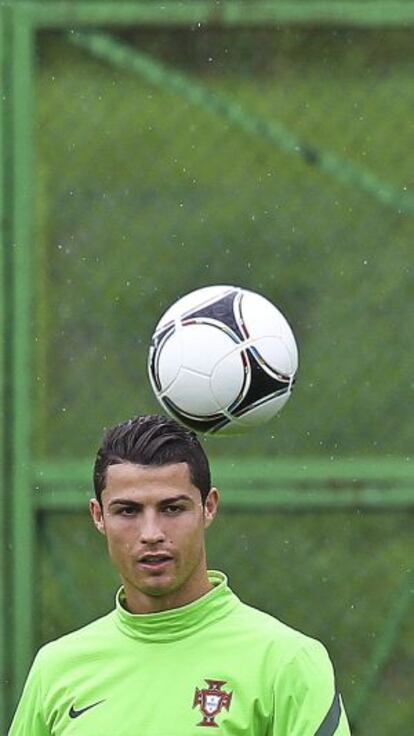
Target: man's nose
151, 531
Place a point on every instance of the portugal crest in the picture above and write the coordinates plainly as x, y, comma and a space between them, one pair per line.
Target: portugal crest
211, 700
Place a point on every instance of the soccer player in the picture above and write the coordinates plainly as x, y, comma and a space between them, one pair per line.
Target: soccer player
180, 654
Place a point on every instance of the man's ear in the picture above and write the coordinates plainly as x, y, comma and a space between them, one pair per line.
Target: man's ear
211, 507
95, 509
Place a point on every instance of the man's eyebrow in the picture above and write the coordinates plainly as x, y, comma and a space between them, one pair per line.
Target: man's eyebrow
137, 504
174, 499
123, 502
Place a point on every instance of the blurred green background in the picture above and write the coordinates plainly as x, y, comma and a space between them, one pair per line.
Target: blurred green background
143, 197
142, 194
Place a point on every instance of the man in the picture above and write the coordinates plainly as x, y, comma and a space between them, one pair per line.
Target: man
180, 654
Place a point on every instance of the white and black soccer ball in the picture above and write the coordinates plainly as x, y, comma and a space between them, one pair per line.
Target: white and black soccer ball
222, 359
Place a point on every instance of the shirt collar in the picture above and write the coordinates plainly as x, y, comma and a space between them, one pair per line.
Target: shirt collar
178, 623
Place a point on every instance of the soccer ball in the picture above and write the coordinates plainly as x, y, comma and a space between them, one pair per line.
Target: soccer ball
222, 359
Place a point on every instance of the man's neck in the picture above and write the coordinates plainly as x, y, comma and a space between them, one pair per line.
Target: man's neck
139, 602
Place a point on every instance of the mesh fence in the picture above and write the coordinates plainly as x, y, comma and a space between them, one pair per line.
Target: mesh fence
144, 196
278, 161
316, 572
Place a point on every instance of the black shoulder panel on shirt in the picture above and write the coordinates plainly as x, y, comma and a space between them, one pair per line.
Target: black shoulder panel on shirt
332, 718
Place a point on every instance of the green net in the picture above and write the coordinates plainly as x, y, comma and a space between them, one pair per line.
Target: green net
275, 160
144, 196
316, 572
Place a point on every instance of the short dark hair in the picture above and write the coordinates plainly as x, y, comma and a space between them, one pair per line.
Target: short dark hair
152, 439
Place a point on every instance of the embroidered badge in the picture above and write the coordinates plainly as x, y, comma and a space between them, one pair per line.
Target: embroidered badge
211, 700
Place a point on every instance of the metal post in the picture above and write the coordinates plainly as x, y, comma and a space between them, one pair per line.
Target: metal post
5, 366
23, 541
3, 559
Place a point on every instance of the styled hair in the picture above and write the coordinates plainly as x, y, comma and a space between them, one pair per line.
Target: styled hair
152, 439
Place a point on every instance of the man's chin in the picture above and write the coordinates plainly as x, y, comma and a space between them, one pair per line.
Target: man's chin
157, 586
157, 591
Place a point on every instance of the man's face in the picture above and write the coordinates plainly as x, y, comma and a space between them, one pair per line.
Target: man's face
154, 522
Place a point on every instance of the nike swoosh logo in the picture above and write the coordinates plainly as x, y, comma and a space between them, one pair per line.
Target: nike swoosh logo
73, 713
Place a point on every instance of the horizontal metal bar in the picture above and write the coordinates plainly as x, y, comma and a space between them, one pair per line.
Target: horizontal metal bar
267, 471
216, 13
282, 499
73, 472
260, 483
311, 470
61, 499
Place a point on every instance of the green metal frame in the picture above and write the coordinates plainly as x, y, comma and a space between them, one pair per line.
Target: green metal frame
295, 485
306, 484
225, 13
17, 172
4, 654
21, 346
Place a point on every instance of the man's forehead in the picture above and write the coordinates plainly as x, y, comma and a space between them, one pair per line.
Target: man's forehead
132, 476
126, 468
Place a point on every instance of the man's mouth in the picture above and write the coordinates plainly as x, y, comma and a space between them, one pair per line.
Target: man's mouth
153, 561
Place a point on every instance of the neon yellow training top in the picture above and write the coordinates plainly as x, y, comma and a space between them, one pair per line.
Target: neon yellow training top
215, 663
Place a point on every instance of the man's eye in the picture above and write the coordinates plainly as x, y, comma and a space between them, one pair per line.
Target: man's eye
173, 509
127, 511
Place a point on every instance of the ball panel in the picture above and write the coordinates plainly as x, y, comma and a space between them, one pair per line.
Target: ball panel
262, 385
262, 318
191, 394
202, 346
168, 361
208, 425
158, 339
229, 379
194, 300
262, 412
275, 354
224, 311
